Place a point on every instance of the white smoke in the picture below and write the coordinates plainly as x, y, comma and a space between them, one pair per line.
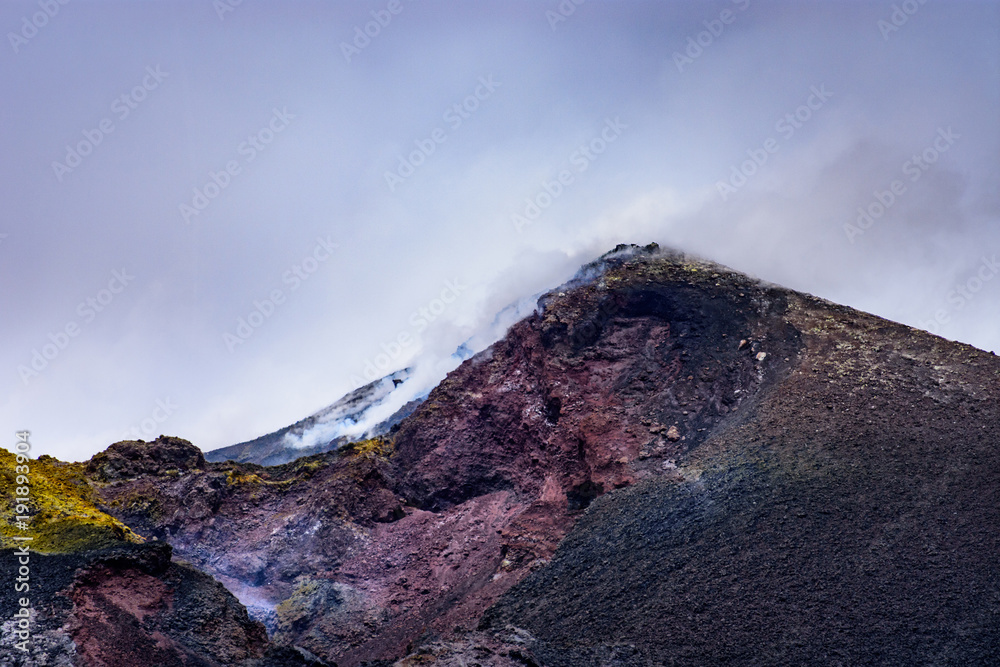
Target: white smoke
319, 434
390, 394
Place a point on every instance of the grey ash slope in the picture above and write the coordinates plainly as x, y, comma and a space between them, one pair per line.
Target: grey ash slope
306, 436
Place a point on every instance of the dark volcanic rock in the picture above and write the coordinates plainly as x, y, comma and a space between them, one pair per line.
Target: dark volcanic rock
578, 394
130, 459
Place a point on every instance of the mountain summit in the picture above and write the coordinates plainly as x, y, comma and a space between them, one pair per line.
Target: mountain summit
667, 463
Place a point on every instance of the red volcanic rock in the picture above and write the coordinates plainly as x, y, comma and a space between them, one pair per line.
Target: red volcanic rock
573, 402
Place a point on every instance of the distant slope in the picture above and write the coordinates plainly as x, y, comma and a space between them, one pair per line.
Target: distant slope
322, 431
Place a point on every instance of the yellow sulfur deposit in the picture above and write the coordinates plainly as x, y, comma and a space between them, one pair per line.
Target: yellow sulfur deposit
62, 509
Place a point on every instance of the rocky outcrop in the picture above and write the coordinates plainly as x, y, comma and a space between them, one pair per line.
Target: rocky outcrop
614, 377
133, 459
131, 605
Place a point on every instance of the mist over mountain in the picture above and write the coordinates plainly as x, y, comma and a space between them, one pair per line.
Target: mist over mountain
231, 246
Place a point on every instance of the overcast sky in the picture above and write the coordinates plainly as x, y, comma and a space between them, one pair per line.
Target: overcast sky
168, 168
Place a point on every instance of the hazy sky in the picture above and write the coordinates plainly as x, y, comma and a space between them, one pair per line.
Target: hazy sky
169, 168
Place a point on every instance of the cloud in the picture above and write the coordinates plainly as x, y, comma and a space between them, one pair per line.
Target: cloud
323, 176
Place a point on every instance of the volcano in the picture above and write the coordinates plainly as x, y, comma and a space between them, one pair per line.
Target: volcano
668, 463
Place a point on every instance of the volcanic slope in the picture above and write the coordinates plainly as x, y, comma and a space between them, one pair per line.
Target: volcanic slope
849, 517
833, 496
668, 463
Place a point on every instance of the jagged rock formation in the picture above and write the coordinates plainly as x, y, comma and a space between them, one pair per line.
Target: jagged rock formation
669, 463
